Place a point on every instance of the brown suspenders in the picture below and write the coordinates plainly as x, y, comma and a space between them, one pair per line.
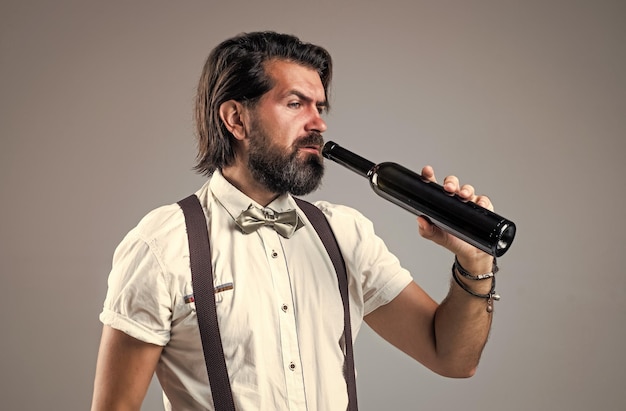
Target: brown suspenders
202, 282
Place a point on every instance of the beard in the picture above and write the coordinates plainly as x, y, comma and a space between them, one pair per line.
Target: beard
284, 171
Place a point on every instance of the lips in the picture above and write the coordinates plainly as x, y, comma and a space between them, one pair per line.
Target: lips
315, 149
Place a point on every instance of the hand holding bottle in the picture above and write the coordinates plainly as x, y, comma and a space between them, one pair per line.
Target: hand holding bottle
469, 256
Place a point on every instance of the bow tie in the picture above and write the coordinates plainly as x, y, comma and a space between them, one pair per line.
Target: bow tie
285, 223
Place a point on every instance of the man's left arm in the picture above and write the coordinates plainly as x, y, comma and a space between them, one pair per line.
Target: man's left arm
448, 338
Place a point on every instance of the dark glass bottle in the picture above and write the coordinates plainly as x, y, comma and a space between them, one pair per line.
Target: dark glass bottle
466, 220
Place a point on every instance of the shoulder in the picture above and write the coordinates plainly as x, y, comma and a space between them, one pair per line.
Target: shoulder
161, 229
164, 227
343, 216
169, 220
349, 225
160, 223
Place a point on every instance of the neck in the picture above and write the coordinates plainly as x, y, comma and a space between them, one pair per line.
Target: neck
239, 176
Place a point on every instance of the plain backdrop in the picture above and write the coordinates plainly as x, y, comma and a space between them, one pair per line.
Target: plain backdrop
526, 100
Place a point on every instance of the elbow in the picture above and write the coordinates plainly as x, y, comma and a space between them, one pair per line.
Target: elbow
456, 363
464, 373
458, 370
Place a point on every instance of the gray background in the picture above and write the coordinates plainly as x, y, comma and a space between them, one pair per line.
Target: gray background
524, 99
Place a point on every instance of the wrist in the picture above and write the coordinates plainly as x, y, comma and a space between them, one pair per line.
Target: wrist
482, 285
477, 264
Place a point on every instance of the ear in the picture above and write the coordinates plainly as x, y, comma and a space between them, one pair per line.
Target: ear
232, 115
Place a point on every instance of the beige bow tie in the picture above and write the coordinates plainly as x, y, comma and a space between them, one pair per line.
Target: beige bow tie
285, 223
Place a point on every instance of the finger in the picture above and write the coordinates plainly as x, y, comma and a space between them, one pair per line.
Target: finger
426, 228
467, 192
451, 184
431, 232
484, 202
428, 173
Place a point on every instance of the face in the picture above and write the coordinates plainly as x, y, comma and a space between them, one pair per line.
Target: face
285, 131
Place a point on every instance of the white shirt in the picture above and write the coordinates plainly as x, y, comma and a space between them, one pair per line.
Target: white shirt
278, 303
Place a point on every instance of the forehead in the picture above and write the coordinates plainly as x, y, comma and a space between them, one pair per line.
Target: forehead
288, 76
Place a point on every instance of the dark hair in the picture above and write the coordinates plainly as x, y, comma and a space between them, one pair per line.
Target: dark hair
235, 71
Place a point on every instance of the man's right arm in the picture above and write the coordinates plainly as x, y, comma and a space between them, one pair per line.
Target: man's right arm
123, 372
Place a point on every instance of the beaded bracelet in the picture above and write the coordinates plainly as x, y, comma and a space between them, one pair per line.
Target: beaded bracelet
491, 296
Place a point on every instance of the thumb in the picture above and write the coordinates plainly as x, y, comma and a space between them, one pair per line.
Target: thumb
430, 232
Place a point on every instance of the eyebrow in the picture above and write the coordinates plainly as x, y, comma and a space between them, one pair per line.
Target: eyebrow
322, 105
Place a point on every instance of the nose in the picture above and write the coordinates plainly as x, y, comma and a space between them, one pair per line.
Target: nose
316, 122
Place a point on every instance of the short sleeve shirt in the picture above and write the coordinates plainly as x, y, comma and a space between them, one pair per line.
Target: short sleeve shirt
278, 303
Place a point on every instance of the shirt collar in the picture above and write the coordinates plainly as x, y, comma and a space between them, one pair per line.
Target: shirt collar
234, 201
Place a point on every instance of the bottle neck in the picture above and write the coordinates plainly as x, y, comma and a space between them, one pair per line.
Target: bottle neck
348, 159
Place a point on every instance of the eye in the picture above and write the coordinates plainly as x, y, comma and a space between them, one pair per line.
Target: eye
322, 107
294, 104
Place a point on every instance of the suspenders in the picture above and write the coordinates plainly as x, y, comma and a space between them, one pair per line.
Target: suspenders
204, 296
202, 281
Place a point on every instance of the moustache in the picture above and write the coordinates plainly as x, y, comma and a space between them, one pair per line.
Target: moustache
312, 139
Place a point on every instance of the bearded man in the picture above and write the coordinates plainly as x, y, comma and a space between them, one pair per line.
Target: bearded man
260, 119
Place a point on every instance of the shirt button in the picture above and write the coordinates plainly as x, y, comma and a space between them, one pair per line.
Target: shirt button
274, 254
284, 307
292, 366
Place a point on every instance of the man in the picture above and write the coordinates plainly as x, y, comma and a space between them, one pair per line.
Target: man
259, 116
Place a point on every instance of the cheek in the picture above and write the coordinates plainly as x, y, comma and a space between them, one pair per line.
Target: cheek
283, 129
285, 134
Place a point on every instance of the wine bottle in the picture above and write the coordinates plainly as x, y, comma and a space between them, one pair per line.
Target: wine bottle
466, 220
